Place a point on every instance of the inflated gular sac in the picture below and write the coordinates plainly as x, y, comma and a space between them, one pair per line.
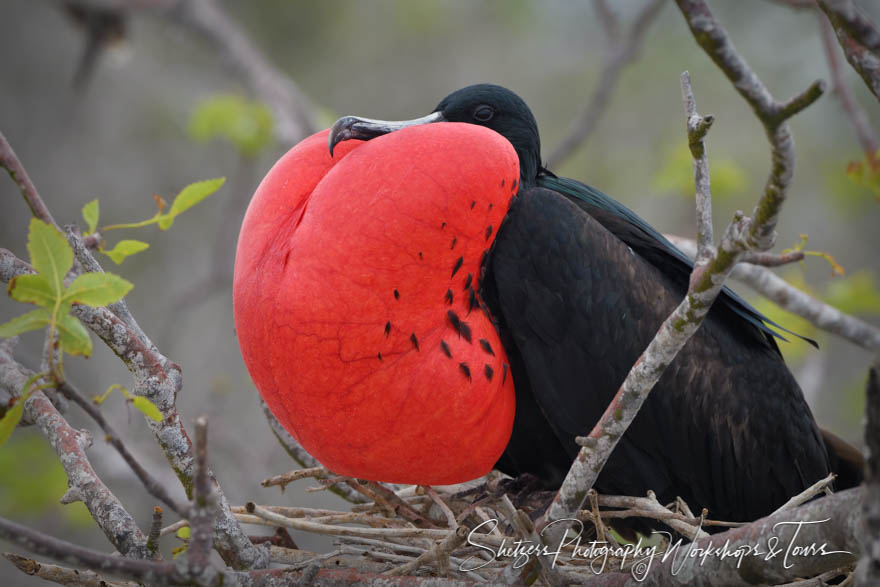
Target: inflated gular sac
357, 307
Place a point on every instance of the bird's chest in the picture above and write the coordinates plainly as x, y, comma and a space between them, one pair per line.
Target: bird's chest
369, 307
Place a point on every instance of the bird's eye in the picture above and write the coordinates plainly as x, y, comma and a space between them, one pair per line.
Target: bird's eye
484, 113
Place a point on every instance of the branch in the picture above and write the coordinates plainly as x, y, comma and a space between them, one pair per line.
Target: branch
152, 485
853, 21
869, 566
61, 575
854, 112
859, 39
622, 51
790, 298
830, 523
439, 553
649, 507
697, 127
202, 512
151, 572
84, 484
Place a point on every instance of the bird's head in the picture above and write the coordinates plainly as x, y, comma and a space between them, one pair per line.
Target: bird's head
486, 105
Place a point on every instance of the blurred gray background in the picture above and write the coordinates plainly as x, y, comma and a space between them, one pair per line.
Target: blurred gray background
123, 136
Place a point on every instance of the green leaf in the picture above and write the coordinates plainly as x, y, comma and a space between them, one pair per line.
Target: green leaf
183, 533
51, 255
91, 213
10, 420
25, 323
73, 336
97, 289
32, 289
126, 248
148, 408
176, 552
189, 197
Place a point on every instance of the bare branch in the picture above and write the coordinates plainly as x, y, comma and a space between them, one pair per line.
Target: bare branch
62, 575
697, 127
439, 553
853, 21
84, 484
151, 572
869, 566
155, 532
198, 551
854, 112
283, 480
859, 39
772, 259
650, 508
797, 302
524, 527
152, 485
820, 486
623, 50
831, 521
447, 511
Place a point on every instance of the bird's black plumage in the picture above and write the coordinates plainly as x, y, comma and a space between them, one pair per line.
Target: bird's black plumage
578, 285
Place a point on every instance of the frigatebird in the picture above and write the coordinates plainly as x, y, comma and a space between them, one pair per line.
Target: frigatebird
574, 286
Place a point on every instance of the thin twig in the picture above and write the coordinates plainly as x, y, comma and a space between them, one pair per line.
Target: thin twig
261, 513
807, 494
287, 478
697, 127
440, 552
450, 516
772, 259
202, 511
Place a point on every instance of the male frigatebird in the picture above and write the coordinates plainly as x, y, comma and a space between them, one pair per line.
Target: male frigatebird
384, 309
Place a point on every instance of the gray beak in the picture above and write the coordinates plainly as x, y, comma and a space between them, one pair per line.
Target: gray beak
352, 127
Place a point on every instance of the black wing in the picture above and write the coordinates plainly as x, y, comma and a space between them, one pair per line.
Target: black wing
653, 246
726, 426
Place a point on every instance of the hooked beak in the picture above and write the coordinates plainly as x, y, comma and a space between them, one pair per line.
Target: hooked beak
353, 127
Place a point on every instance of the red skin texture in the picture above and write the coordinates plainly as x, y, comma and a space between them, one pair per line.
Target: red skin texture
323, 247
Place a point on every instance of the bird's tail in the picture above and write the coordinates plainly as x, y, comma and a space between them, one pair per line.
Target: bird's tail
846, 460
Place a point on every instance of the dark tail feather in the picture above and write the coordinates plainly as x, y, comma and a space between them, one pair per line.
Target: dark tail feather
846, 461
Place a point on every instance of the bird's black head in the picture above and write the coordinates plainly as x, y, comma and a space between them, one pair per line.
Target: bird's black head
504, 112
486, 105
